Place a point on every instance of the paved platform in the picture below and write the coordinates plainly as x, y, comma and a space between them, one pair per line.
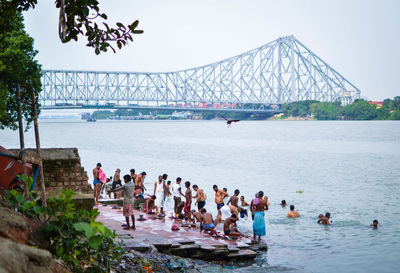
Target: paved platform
187, 242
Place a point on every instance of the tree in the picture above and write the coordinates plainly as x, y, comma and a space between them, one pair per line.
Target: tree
325, 110
77, 17
17, 67
359, 110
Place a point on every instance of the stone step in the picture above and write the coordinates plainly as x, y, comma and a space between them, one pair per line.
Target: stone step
135, 245
118, 202
233, 249
185, 250
185, 242
244, 254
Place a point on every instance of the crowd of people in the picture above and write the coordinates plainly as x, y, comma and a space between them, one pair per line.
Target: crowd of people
133, 191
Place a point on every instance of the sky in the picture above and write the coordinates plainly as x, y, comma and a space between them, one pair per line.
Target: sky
359, 38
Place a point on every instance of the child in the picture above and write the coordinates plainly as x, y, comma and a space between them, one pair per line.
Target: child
127, 211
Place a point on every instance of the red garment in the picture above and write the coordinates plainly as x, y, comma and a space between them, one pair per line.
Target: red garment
188, 205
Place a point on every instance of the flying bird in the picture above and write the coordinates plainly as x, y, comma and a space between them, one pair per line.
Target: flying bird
229, 121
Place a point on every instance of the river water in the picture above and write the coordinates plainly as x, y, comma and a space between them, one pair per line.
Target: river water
349, 168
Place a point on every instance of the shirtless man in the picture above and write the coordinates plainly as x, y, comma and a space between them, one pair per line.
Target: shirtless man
197, 216
243, 209
374, 224
139, 181
179, 209
258, 206
219, 198
96, 183
325, 220
188, 201
293, 213
234, 200
228, 226
200, 197
149, 204
133, 176
207, 221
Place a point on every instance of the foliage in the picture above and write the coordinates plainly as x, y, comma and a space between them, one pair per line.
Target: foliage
78, 17
325, 110
298, 109
17, 67
359, 110
83, 244
77, 238
392, 104
29, 208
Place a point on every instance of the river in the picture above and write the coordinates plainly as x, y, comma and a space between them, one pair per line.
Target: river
349, 168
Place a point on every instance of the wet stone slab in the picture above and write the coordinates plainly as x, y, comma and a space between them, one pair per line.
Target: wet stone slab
188, 242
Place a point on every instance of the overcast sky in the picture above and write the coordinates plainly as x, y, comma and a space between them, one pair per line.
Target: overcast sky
359, 38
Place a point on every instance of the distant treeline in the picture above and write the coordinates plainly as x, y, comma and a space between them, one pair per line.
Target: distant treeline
358, 110
207, 115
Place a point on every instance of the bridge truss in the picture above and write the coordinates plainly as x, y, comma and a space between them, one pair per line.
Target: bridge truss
283, 70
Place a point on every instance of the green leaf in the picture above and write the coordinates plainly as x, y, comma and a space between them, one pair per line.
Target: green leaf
95, 241
134, 25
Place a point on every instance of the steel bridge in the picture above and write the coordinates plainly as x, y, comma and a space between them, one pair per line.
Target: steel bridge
261, 79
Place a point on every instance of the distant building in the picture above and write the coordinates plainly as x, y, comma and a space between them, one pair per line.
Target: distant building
378, 104
346, 98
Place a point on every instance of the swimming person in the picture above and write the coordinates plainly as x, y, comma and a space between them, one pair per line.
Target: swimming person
325, 220
374, 224
200, 197
176, 191
219, 198
188, 201
283, 203
258, 206
159, 192
96, 183
127, 210
293, 213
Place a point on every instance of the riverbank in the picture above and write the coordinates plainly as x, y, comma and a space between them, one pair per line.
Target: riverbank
187, 248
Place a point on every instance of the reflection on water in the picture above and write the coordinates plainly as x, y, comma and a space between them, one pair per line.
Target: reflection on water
350, 169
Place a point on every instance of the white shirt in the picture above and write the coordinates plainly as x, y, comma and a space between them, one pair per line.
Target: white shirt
175, 190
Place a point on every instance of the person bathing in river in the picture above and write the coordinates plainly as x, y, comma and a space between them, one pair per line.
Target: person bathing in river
139, 181
159, 192
283, 203
96, 183
200, 197
197, 217
293, 213
168, 188
188, 201
243, 209
258, 206
229, 226
117, 183
127, 210
325, 220
207, 222
234, 201
176, 191
149, 204
219, 198
374, 224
